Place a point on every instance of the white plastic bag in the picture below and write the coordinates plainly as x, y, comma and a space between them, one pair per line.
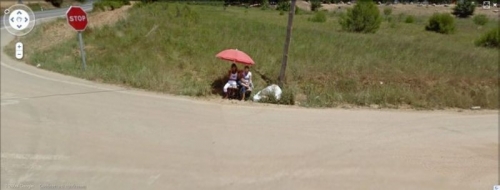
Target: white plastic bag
268, 91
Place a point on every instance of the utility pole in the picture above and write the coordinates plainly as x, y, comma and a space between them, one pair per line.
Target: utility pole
287, 43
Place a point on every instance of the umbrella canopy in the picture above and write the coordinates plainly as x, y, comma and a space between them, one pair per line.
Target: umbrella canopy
236, 56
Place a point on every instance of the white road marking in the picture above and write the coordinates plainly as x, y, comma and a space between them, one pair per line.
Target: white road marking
33, 156
8, 102
152, 179
87, 169
51, 79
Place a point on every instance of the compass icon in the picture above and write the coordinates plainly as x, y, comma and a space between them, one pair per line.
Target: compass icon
21, 19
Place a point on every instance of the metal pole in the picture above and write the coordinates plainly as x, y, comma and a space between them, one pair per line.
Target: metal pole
287, 43
84, 64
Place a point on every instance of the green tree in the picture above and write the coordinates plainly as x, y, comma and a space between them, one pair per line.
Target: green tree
464, 9
364, 18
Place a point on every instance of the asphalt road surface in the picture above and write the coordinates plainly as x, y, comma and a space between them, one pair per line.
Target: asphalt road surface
61, 131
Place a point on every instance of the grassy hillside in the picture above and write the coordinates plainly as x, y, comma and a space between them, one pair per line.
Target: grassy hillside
171, 48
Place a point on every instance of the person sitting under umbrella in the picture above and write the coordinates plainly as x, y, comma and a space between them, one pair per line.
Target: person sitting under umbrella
233, 77
245, 82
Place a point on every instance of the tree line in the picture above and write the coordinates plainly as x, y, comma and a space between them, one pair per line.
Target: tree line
58, 3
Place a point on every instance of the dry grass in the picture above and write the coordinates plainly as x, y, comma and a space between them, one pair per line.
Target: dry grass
59, 32
327, 67
409, 9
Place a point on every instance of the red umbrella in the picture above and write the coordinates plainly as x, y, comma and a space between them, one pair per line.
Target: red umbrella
236, 56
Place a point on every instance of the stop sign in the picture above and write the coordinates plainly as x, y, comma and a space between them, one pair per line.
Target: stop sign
77, 18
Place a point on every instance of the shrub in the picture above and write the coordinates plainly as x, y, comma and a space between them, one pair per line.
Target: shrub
319, 16
387, 11
283, 6
265, 5
148, 1
297, 10
410, 19
55, 3
490, 39
480, 19
464, 9
98, 6
442, 23
125, 2
111, 4
315, 5
364, 17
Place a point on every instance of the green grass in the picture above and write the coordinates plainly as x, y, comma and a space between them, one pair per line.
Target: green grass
399, 65
34, 6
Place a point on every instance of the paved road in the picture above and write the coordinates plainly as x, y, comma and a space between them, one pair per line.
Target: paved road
59, 130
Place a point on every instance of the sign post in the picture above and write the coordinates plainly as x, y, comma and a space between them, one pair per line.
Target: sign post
80, 38
77, 18
284, 61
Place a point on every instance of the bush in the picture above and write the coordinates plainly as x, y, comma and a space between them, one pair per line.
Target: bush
111, 4
283, 6
265, 5
490, 39
480, 20
387, 11
464, 9
55, 3
297, 10
98, 6
315, 5
410, 19
442, 23
364, 17
319, 16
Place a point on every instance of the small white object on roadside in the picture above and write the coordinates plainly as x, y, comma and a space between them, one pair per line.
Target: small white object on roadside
272, 90
38, 65
381, 82
475, 108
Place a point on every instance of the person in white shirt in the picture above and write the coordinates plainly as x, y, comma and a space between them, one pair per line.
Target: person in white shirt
233, 78
245, 82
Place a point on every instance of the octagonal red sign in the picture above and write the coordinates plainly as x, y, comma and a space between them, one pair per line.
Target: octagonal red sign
77, 18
